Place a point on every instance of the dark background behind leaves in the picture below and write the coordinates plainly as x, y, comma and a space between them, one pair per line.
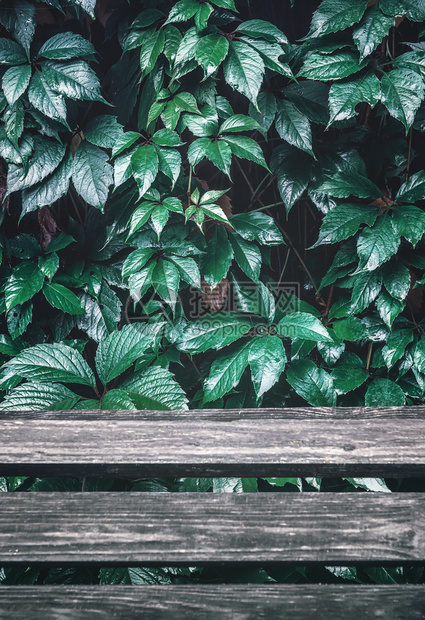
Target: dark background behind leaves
170, 151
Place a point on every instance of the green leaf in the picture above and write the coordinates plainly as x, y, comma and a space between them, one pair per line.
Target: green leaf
260, 29
377, 244
243, 70
313, 384
12, 53
349, 374
311, 98
369, 484
332, 16
211, 51
237, 123
371, 30
303, 325
15, 82
366, 288
49, 264
281, 482
165, 280
52, 362
50, 190
214, 331
136, 260
220, 154
140, 282
152, 45
294, 127
215, 263
19, 318
116, 399
389, 308
166, 137
419, 355
74, 80
267, 359
66, 45
46, 157
343, 97
87, 5
325, 67
349, 183
34, 396
100, 316
268, 108
92, 174
256, 227
169, 163
343, 221
395, 346
155, 389
226, 372
25, 281
124, 141
144, 163
60, 297
248, 256
413, 190
182, 11
120, 350
350, 329
103, 131
270, 54
19, 19
384, 393
402, 94
397, 280
246, 148
43, 98
188, 270
293, 169
409, 222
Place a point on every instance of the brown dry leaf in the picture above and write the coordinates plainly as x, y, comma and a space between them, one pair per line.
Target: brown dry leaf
48, 226
216, 298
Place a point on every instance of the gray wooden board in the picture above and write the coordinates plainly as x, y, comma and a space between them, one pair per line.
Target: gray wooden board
260, 442
166, 529
244, 602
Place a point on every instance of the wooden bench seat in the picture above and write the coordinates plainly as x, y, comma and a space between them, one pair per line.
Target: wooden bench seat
189, 529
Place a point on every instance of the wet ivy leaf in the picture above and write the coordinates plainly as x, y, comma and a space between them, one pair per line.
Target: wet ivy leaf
226, 372
267, 360
377, 244
313, 384
402, 94
384, 393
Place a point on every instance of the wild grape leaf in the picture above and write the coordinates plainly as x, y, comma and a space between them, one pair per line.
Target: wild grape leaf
50, 190
294, 127
343, 221
19, 20
311, 98
369, 484
349, 374
248, 256
293, 169
35, 396
402, 94
371, 30
169, 162
74, 80
267, 359
165, 280
419, 355
303, 325
376, 244
388, 307
156, 389
15, 82
365, 289
244, 70
45, 99
215, 263
62, 298
188, 270
270, 53
213, 331
350, 329
384, 393
395, 346
264, 118
260, 29
325, 67
25, 281
211, 51
397, 280
182, 11
87, 5
19, 318
100, 316
103, 131
45, 158
332, 16
136, 260
92, 174
343, 97
409, 222
144, 163
66, 45
256, 227
52, 363
116, 353
246, 148
226, 372
220, 154
313, 384
412, 190
152, 45
11, 53
349, 183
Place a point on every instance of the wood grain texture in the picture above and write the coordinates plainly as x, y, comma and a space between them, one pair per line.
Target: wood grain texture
166, 529
241, 602
385, 442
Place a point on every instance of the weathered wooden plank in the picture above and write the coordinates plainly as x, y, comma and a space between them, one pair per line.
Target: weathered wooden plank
273, 442
168, 529
244, 602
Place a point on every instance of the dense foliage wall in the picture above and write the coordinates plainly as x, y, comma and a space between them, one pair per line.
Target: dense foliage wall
210, 205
